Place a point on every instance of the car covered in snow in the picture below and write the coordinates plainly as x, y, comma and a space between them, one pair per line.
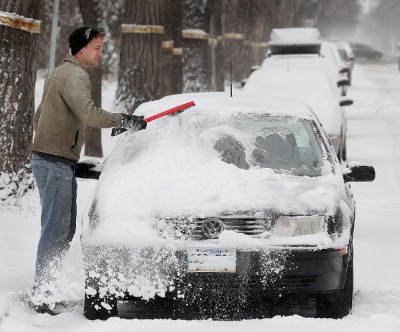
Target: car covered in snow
302, 66
231, 203
347, 55
301, 78
298, 42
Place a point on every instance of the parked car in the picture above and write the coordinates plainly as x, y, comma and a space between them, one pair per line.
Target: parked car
307, 41
362, 50
304, 78
331, 54
225, 205
294, 41
347, 55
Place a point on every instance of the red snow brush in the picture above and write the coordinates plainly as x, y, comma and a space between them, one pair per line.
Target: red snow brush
176, 109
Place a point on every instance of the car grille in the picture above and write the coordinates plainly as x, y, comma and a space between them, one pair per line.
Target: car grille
245, 225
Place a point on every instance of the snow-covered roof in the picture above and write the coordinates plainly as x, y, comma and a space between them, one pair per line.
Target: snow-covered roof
295, 36
221, 102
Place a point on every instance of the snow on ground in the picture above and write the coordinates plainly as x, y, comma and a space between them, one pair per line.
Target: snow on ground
373, 137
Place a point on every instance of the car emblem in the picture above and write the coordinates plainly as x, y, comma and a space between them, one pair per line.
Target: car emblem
212, 227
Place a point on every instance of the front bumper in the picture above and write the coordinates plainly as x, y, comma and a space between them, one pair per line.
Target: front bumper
282, 271
278, 270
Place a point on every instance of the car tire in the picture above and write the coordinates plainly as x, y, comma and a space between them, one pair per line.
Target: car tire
95, 307
340, 306
347, 300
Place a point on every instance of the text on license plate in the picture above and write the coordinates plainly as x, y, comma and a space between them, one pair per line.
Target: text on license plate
211, 260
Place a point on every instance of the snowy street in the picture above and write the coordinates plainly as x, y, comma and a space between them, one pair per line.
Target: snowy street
372, 138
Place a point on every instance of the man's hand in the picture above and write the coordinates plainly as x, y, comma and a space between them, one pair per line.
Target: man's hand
87, 170
133, 122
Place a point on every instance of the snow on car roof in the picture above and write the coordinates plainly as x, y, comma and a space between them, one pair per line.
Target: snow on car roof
304, 61
302, 36
221, 103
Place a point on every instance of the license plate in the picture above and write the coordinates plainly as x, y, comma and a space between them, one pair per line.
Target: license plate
211, 260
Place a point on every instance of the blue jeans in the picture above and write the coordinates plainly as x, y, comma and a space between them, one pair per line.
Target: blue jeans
57, 189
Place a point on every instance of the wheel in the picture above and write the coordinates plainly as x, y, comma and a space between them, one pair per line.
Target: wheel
347, 299
96, 307
341, 305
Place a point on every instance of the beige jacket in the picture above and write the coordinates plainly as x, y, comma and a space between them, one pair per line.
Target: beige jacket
66, 109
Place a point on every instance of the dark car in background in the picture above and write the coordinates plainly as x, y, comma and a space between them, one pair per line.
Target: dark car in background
229, 206
362, 50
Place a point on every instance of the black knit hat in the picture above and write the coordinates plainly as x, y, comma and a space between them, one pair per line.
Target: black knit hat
81, 37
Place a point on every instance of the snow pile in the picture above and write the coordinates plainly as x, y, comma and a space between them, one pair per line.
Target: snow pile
15, 185
141, 272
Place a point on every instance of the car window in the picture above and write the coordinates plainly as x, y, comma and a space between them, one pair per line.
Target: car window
342, 54
284, 144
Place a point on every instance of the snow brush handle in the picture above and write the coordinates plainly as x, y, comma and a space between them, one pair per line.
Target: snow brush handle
179, 108
170, 111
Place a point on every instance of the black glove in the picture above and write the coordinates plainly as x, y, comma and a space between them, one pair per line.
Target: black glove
133, 122
86, 170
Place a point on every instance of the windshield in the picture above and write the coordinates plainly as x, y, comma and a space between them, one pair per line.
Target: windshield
284, 144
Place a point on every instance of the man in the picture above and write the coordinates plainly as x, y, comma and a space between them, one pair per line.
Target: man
64, 112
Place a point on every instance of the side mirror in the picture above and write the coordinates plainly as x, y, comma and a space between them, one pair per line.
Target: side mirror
254, 68
359, 173
344, 70
346, 102
343, 82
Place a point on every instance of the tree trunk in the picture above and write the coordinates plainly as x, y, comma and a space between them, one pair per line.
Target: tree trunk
93, 16
140, 70
17, 91
171, 66
219, 45
234, 25
256, 33
195, 23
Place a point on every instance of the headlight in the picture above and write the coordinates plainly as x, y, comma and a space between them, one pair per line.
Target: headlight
299, 225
